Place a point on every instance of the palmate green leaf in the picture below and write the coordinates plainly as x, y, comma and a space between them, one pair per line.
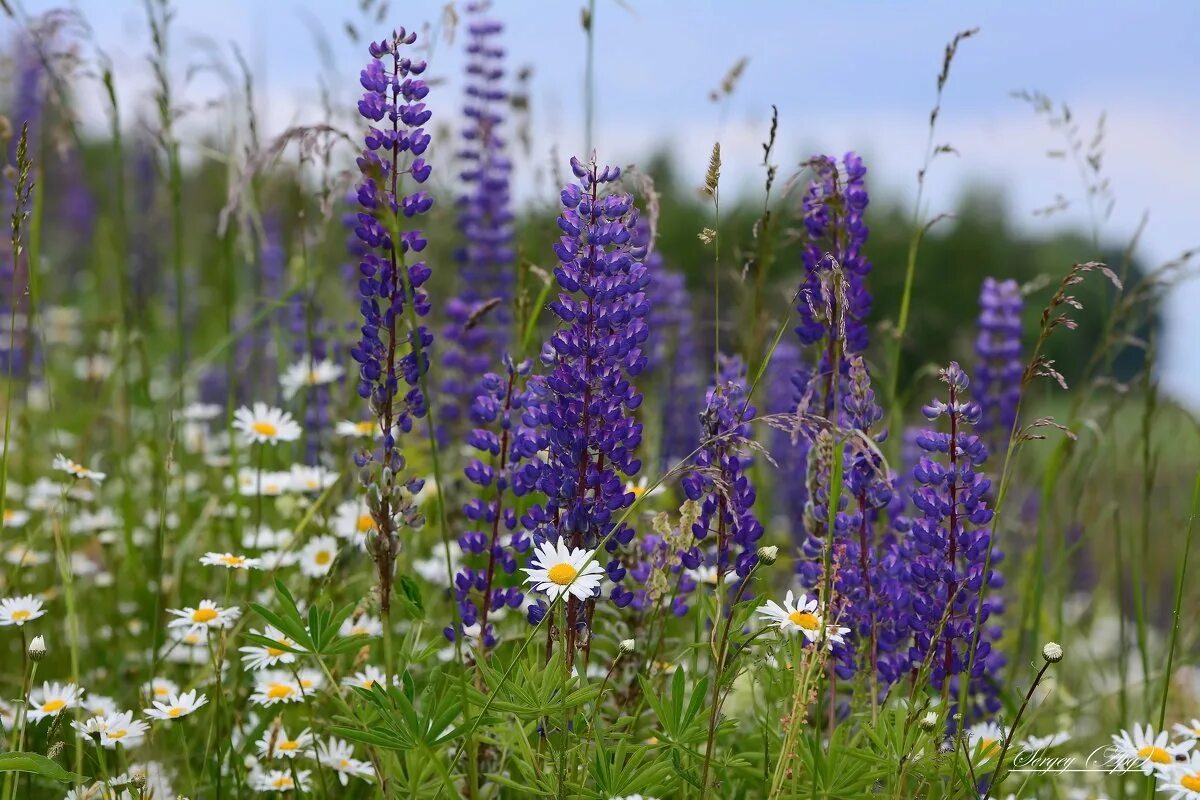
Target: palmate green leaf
38, 765
274, 644
292, 629
345, 645
373, 738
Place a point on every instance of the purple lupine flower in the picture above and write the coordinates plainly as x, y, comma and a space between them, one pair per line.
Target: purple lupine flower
674, 358
947, 550
998, 347
786, 378
587, 400
479, 315
390, 274
506, 472
721, 481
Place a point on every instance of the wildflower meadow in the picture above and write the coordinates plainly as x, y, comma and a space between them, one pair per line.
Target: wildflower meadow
383, 453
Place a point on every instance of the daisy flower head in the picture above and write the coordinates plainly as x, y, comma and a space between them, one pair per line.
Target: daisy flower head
19, 610
1181, 779
338, 755
309, 373
984, 738
642, 488
276, 743
1191, 731
556, 571
364, 625
229, 561
1046, 742
160, 689
1148, 751
15, 518
264, 538
263, 424
366, 679
52, 698
206, 615
356, 430
352, 521
304, 478
264, 483
277, 780
317, 557
801, 615
258, 656
274, 687
114, 729
176, 705
76, 470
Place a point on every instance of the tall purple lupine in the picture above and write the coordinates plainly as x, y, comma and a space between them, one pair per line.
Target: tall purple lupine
505, 472
947, 551
392, 344
720, 481
587, 398
479, 315
998, 348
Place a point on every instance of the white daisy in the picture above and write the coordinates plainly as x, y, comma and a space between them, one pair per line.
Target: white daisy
279, 781
273, 687
356, 430
114, 729
64, 464
263, 424
1191, 731
705, 573
15, 518
317, 557
259, 656
985, 739
98, 705
352, 521
160, 689
1046, 742
1181, 779
20, 555
338, 755
206, 615
200, 412
275, 743
176, 705
264, 538
557, 571
267, 483
642, 488
366, 679
1147, 750
93, 368
801, 615
309, 373
308, 479
52, 698
229, 561
19, 610
364, 625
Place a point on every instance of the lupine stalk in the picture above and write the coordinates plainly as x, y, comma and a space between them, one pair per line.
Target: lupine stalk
587, 399
998, 348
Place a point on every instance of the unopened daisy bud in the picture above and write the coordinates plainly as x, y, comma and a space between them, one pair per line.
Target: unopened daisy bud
768, 555
627, 645
138, 780
1052, 652
37, 648
928, 721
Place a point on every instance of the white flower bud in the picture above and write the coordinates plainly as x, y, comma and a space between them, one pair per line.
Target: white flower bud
1052, 652
929, 721
627, 646
768, 555
37, 648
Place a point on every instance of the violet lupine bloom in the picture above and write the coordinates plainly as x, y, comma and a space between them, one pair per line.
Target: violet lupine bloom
947, 549
506, 472
786, 377
720, 481
587, 401
390, 272
998, 347
480, 316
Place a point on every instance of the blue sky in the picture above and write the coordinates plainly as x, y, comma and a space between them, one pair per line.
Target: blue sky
853, 75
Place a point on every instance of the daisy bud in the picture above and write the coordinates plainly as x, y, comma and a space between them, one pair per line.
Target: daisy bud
37, 648
627, 646
929, 721
768, 555
1052, 652
138, 780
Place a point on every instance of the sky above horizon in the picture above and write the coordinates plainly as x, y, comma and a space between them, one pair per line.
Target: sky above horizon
844, 76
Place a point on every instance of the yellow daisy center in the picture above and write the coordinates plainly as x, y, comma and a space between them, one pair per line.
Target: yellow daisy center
161, 691
364, 428
204, 615
986, 745
272, 488
365, 523
233, 561
9, 514
264, 428
322, 557
278, 691
191, 638
21, 616
344, 764
636, 491
306, 683
1156, 754
804, 620
117, 734
282, 782
1191, 782
50, 706
358, 630
174, 711
288, 745
368, 683
562, 574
